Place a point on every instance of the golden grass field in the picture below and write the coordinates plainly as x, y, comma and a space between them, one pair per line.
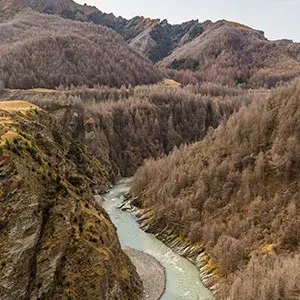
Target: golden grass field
8, 107
16, 105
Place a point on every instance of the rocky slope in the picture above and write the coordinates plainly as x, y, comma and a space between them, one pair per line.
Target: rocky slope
48, 219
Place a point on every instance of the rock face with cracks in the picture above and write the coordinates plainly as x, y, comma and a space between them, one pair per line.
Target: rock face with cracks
55, 243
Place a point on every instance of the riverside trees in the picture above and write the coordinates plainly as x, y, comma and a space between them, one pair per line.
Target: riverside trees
238, 192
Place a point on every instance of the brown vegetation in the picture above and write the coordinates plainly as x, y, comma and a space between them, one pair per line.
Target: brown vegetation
238, 192
124, 127
45, 51
231, 54
266, 278
223, 52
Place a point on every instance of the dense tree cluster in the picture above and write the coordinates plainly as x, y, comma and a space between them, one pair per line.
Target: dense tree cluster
268, 278
46, 51
127, 126
238, 192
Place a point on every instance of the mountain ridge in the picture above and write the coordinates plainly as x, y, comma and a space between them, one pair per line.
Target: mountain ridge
231, 53
223, 52
131, 29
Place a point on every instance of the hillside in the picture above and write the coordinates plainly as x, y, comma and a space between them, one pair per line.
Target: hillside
231, 53
48, 218
130, 125
38, 50
237, 193
71, 10
154, 38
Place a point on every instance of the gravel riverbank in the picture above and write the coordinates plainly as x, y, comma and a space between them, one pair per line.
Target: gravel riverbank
151, 272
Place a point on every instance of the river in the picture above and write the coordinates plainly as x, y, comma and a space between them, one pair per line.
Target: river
183, 282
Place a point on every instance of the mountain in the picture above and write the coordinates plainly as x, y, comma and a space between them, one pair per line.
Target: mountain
152, 37
232, 53
236, 193
162, 39
71, 10
49, 220
224, 52
39, 50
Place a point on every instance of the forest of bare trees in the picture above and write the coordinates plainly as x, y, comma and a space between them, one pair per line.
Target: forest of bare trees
238, 192
46, 51
128, 125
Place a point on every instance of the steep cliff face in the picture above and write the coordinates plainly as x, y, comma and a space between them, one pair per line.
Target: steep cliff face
161, 39
55, 242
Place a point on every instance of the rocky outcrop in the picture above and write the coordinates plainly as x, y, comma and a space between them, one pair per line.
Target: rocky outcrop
55, 243
161, 39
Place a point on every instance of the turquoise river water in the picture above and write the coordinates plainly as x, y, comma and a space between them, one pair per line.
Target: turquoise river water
183, 282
